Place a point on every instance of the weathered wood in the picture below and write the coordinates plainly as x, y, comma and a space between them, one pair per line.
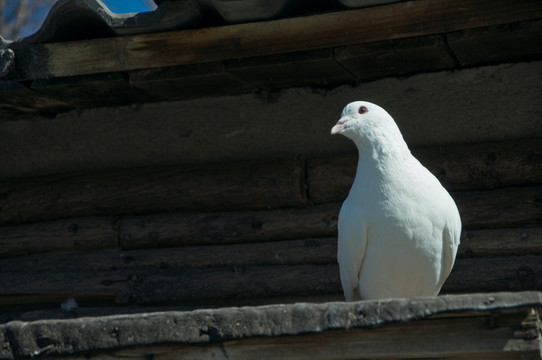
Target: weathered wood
16, 98
93, 90
52, 309
485, 165
500, 207
393, 58
498, 43
147, 286
244, 185
485, 242
315, 67
503, 273
468, 336
292, 252
238, 283
189, 81
372, 60
424, 53
459, 167
400, 20
479, 209
393, 343
330, 179
187, 285
501, 242
78, 234
174, 229
461, 326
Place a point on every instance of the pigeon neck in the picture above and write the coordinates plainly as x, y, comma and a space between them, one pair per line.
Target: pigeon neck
381, 149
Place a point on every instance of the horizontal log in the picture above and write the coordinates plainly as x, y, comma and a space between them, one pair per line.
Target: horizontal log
246, 185
227, 186
402, 56
501, 242
479, 210
77, 234
502, 273
459, 167
496, 44
487, 165
315, 251
88, 91
292, 252
501, 207
400, 20
189, 81
174, 229
23, 289
145, 286
149, 286
29, 312
315, 67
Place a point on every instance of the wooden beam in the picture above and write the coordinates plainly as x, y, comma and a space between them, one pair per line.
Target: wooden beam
174, 229
182, 285
76, 234
474, 243
516, 206
395, 21
497, 44
392, 58
501, 242
91, 91
167, 285
467, 336
479, 209
315, 251
314, 67
251, 231
513, 206
500, 273
227, 186
189, 81
459, 167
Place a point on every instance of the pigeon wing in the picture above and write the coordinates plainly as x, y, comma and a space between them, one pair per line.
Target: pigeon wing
450, 238
352, 242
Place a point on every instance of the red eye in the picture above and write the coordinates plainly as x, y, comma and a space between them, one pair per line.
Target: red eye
363, 110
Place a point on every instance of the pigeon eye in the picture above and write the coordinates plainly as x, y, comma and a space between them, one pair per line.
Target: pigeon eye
362, 110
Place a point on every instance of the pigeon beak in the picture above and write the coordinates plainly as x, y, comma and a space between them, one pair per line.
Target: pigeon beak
338, 128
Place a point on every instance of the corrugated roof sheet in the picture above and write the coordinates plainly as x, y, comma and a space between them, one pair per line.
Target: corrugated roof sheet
70, 20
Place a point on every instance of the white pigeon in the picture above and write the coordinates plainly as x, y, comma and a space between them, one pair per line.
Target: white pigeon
399, 228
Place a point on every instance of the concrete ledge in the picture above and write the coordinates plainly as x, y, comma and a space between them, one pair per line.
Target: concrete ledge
205, 327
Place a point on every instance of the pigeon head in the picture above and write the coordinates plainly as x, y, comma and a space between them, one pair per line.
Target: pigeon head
361, 121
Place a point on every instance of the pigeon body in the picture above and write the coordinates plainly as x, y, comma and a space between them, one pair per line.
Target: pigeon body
398, 228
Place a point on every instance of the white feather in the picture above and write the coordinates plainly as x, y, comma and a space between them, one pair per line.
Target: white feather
398, 228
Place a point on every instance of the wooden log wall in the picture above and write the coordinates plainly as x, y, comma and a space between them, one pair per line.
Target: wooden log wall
249, 232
